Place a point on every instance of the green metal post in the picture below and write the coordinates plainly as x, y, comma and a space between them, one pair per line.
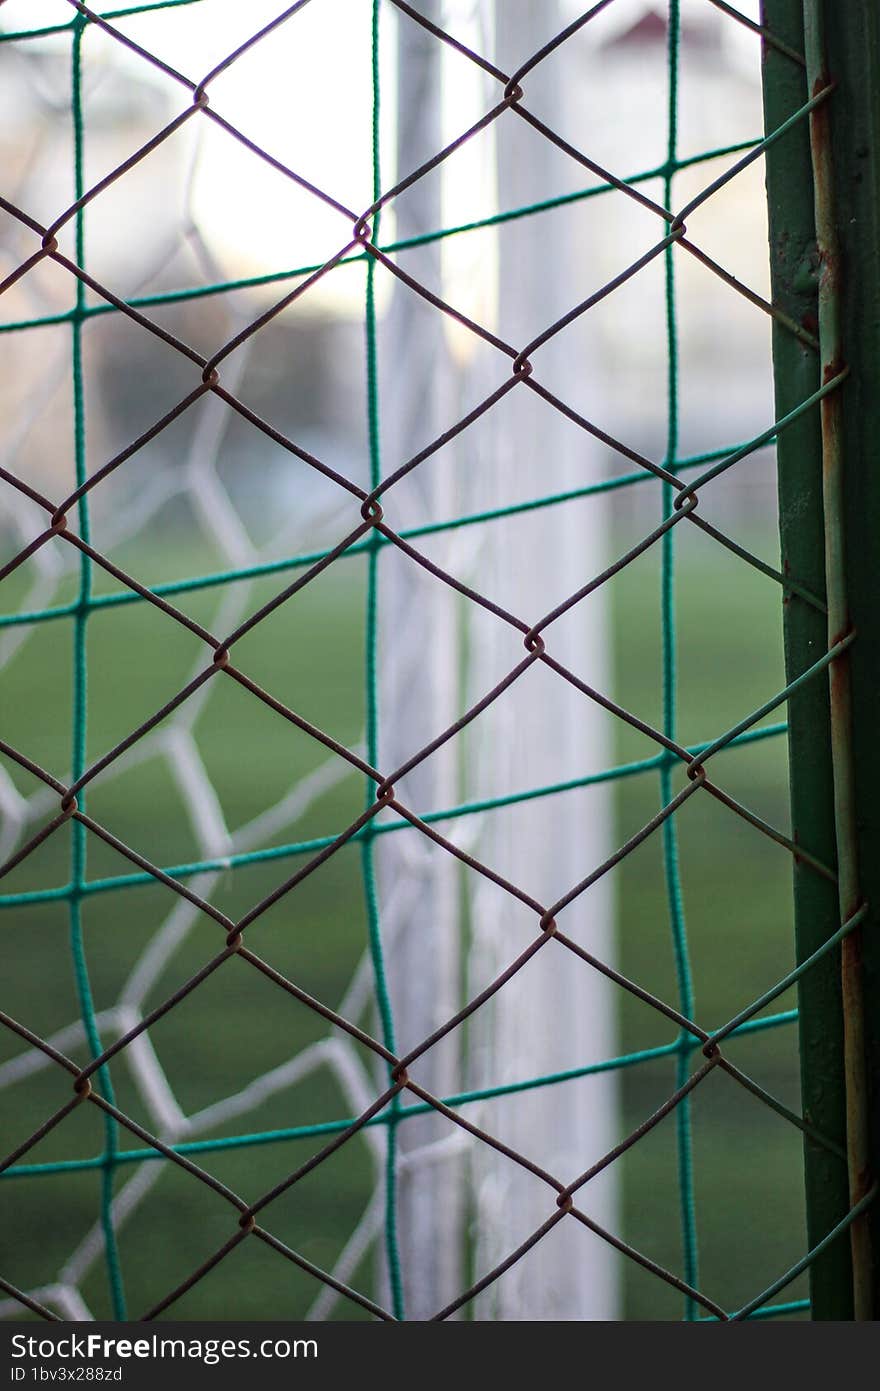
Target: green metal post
825, 280
852, 57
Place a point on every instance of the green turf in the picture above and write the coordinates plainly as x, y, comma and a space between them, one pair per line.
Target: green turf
737, 898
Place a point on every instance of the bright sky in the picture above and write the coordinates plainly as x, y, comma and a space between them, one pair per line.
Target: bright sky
304, 94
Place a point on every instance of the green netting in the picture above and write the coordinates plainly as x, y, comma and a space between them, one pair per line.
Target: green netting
80, 704
80, 887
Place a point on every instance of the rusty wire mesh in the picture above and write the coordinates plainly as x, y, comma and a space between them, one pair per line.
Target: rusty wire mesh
371, 531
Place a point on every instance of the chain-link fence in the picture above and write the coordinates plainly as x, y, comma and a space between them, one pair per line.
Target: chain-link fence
699, 1052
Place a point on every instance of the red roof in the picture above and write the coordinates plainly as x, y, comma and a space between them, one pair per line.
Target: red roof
650, 31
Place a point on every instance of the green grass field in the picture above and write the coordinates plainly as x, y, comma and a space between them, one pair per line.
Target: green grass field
736, 891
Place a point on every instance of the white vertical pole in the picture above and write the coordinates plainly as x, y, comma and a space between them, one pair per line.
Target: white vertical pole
419, 698
557, 1013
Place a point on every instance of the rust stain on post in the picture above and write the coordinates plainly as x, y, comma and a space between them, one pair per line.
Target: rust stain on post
833, 364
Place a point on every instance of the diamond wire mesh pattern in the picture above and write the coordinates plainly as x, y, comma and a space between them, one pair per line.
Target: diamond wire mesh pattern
67, 521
